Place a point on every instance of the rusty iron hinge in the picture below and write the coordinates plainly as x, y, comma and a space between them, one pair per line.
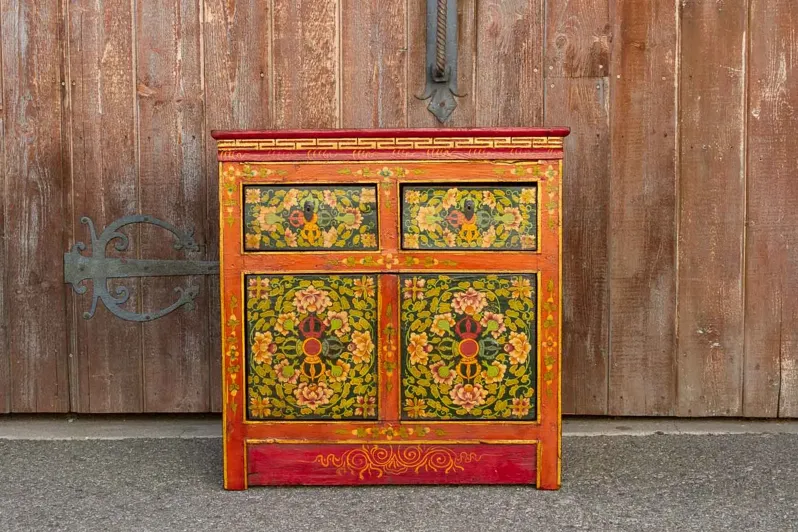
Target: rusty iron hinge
441, 87
98, 268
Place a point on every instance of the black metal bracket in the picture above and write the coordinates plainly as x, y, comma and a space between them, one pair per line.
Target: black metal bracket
98, 268
441, 87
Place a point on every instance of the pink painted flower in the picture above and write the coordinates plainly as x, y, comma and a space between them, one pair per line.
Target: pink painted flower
291, 198
311, 300
528, 241
339, 371
414, 288
450, 199
368, 195
329, 237
493, 323
338, 322
450, 238
253, 195
267, 219
469, 302
512, 218
312, 395
353, 218
441, 373
488, 198
330, 199
290, 238
366, 406
427, 219
364, 287
285, 323
489, 237
494, 372
286, 373
468, 396
442, 324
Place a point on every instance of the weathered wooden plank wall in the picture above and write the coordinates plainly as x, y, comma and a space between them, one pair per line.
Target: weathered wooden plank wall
681, 269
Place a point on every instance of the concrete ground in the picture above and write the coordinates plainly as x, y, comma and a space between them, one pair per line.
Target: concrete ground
101, 474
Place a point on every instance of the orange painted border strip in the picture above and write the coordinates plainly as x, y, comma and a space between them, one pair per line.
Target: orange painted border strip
389, 349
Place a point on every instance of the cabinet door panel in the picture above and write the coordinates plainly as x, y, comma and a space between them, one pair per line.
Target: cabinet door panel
319, 217
487, 217
468, 346
311, 347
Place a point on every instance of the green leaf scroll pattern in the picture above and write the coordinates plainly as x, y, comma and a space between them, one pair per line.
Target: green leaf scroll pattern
470, 217
310, 217
334, 314
468, 346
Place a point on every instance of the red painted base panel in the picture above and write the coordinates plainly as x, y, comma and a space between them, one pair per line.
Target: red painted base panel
273, 464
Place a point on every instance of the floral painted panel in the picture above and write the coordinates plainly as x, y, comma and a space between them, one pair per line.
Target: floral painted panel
487, 217
310, 217
468, 346
311, 347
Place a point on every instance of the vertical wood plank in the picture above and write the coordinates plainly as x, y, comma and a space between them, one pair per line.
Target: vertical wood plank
771, 310
374, 63
5, 360
238, 83
509, 63
712, 208
37, 330
417, 113
100, 36
642, 208
582, 104
577, 39
577, 95
172, 187
306, 69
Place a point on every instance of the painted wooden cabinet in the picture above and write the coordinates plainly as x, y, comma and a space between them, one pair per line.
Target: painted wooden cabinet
391, 306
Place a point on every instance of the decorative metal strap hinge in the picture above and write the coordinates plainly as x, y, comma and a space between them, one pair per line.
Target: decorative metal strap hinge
98, 268
441, 87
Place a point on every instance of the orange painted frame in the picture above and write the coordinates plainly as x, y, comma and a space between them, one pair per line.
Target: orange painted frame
289, 157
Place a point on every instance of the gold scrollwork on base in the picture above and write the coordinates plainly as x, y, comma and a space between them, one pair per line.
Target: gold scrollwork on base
379, 460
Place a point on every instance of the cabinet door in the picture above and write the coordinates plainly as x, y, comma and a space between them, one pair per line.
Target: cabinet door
311, 347
468, 345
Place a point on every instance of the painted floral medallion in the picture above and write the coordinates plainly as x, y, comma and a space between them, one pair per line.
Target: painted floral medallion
311, 347
310, 217
472, 217
468, 346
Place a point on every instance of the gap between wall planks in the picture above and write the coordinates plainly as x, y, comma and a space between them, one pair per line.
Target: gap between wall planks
577, 95
771, 311
711, 209
333, 63
35, 186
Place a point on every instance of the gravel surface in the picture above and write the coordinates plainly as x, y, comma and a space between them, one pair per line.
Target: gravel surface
659, 482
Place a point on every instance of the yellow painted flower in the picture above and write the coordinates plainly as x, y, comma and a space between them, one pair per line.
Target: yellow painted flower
368, 240
258, 287
520, 407
494, 372
489, 237
364, 287
512, 219
339, 372
361, 347
468, 396
312, 395
469, 302
290, 238
285, 323
368, 195
413, 197
518, 348
528, 196
414, 288
549, 343
550, 172
253, 195
411, 241
450, 238
353, 219
488, 198
450, 199
286, 373
442, 324
329, 237
418, 348
415, 408
253, 240
262, 348
311, 300
260, 406
427, 219
521, 288
267, 219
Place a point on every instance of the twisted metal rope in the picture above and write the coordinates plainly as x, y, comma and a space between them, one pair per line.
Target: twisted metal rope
440, 41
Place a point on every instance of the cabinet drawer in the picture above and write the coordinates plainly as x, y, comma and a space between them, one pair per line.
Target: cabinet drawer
468, 346
488, 217
311, 347
318, 217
